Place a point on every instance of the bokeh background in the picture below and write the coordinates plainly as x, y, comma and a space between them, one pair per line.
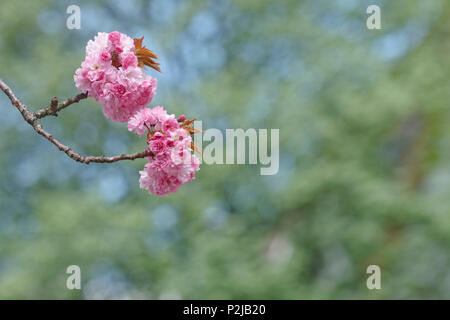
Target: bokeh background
364, 153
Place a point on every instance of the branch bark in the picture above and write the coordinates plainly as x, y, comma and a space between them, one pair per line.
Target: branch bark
33, 117
54, 107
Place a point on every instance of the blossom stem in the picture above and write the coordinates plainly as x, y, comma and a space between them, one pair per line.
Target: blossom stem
32, 119
54, 108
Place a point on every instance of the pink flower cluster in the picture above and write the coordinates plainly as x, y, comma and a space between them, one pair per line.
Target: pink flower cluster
171, 164
111, 75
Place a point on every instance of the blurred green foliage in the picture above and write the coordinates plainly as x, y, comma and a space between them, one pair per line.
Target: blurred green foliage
364, 165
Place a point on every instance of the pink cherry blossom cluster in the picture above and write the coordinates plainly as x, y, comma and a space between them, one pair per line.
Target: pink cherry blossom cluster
171, 163
111, 75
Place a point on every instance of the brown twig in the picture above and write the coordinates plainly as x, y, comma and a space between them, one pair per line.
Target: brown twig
52, 109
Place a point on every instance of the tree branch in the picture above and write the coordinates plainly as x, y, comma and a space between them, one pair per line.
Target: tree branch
52, 109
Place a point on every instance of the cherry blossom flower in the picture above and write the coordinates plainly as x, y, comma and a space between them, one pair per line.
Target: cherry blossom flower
172, 163
112, 74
